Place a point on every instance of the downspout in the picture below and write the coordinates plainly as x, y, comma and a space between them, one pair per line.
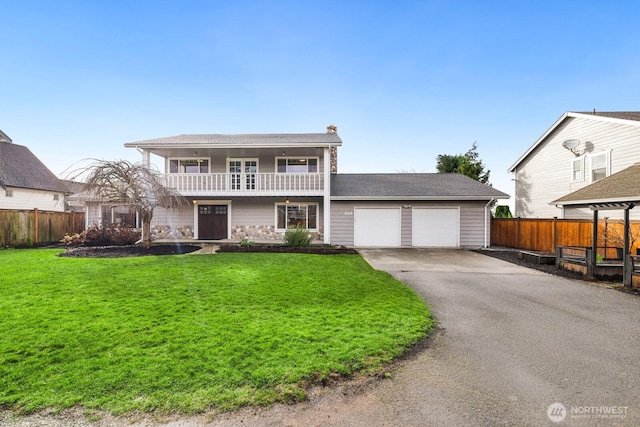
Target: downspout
486, 245
327, 197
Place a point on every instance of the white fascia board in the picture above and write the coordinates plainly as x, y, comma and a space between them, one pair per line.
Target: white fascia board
206, 145
591, 201
419, 198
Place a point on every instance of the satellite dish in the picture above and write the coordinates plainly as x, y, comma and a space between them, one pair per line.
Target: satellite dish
571, 144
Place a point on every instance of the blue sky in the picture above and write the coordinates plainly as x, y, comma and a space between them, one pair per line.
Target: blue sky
404, 81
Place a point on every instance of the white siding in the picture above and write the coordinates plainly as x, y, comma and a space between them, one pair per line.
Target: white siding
27, 199
173, 217
545, 175
266, 160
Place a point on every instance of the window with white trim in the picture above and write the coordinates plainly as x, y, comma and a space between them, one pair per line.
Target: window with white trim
577, 169
243, 173
188, 165
8, 193
297, 164
291, 215
599, 166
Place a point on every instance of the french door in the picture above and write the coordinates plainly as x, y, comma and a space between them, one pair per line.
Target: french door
243, 174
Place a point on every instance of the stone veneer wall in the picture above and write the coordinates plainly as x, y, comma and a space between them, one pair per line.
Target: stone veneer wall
238, 232
166, 232
261, 232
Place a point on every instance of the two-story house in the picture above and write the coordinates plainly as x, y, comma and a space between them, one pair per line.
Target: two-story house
576, 151
256, 186
25, 182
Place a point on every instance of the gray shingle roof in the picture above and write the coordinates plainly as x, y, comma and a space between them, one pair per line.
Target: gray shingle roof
20, 168
426, 186
242, 140
623, 186
624, 115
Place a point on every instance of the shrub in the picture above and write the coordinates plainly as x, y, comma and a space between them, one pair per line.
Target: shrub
111, 236
74, 239
123, 236
297, 237
246, 243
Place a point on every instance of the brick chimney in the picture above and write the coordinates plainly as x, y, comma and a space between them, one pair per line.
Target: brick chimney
333, 153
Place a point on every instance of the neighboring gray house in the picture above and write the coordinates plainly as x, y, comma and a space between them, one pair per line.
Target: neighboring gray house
25, 182
577, 150
256, 186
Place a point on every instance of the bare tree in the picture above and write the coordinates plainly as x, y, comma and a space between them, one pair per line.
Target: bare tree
132, 184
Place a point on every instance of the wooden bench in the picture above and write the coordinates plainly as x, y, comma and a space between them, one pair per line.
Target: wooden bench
537, 257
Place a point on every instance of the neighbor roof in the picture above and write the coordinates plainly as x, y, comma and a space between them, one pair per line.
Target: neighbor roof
411, 186
20, 168
245, 140
623, 186
631, 118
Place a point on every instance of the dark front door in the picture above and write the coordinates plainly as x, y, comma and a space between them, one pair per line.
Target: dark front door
212, 222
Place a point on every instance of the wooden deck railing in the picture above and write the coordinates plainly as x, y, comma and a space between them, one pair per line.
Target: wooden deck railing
247, 184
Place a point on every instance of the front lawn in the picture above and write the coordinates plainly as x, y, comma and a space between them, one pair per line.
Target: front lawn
186, 333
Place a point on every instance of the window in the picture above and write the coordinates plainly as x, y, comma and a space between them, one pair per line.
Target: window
188, 165
118, 215
294, 215
56, 197
577, 169
8, 193
599, 166
297, 165
243, 173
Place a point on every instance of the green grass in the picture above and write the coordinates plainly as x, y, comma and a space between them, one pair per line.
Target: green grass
187, 333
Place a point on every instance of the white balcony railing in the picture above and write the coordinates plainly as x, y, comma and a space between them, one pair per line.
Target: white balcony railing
248, 184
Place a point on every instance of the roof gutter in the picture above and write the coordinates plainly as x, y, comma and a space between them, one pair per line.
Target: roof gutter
424, 198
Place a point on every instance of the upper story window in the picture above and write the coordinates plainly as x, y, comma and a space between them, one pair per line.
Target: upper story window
577, 169
56, 197
188, 165
600, 166
8, 193
297, 165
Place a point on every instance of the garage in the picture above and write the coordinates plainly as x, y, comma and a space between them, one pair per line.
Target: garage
379, 227
435, 227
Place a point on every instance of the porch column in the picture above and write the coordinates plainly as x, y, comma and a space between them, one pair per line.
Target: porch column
627, 266
594, 246
146, 158
327, 196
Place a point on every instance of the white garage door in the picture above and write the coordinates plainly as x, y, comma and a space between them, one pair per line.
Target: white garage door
376, 227
436, 227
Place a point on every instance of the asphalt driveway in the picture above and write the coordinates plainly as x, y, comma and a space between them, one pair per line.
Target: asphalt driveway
511, 342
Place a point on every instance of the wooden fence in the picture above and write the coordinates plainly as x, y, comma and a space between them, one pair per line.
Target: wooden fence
545, 235
27, 228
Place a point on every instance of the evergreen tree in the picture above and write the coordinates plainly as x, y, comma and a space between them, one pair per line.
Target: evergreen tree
468, 164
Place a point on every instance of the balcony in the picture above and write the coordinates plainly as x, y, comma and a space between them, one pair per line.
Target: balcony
249, 184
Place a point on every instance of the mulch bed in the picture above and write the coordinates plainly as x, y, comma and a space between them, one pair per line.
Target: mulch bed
170, 249
319, 250
126, 251
512, 257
